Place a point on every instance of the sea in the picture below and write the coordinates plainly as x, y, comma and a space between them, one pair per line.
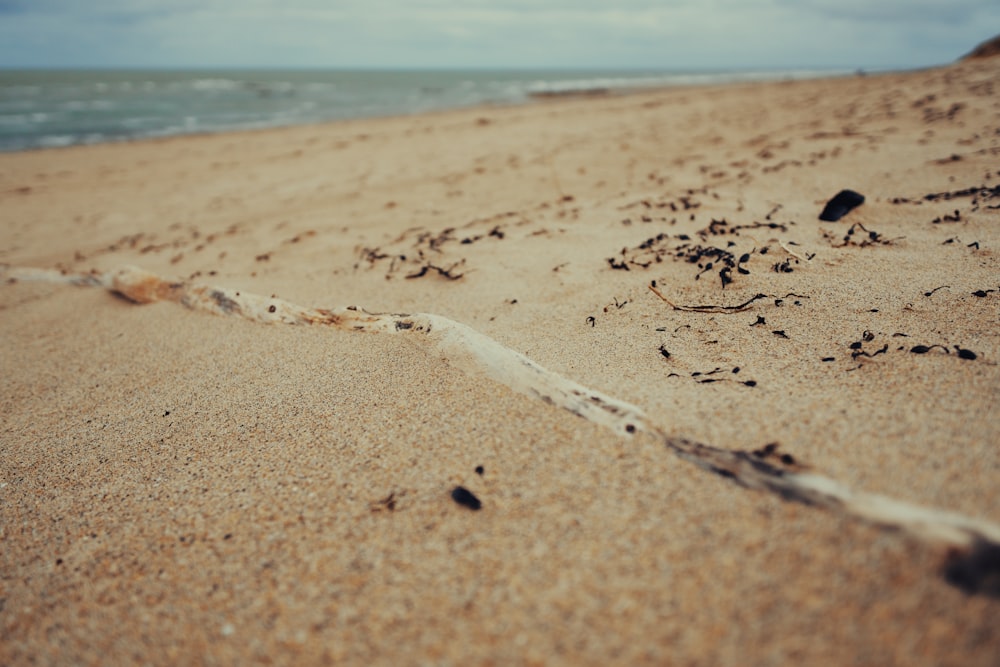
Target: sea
46, 109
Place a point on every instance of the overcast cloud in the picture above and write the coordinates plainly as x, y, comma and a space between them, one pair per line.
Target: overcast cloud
689, 34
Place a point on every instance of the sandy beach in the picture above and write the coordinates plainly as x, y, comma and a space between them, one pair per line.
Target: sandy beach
702, 425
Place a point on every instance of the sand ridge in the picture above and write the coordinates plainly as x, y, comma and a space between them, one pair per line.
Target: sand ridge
464, 348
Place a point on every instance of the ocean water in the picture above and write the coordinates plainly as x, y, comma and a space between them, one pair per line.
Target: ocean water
44, 109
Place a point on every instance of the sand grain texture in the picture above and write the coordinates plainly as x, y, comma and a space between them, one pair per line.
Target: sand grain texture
178, 486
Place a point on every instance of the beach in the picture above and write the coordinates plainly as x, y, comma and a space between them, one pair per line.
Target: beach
701, 425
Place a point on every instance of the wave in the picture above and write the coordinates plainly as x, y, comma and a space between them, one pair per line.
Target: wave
214, 84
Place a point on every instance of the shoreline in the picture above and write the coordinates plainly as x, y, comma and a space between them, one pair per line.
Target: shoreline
595, 84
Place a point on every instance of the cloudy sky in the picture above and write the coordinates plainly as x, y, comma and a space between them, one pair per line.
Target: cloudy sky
690, 34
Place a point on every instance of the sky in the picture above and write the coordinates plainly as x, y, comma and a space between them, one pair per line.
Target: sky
462, 34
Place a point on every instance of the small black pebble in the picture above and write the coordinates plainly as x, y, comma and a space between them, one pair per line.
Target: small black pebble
965, 354
856, 345
920, 349
463, 496
751, 383
480, 470
976, 570
828, 359
630, 428
788, 459
841, 204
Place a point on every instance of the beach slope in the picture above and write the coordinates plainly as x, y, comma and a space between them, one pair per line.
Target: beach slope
694, 423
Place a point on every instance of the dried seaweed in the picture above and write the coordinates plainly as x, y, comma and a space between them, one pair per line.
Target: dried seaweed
869, 238
709, 257
714, 308
445, 272
978, 193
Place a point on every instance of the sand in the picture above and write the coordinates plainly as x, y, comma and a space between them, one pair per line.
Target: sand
185, 481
